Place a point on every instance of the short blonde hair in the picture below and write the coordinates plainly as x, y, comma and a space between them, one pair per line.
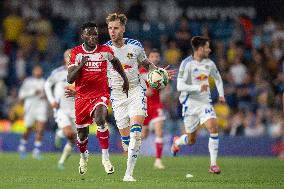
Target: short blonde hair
114, 16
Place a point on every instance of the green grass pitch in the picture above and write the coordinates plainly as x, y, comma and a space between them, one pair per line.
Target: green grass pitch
237, 172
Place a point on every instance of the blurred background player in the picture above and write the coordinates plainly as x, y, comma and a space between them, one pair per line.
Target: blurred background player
196, 100
129, 111
155, 113
88, 69
63, 107
35, 106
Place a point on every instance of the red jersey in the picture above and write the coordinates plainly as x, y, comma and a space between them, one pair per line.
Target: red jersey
92, 81
154, 99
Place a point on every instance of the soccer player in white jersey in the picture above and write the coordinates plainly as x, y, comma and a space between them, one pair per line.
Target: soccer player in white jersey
63, 107
195, 98
35, 107
129, 111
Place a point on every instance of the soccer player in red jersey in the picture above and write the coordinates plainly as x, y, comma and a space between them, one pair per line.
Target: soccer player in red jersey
88, 69
155, 113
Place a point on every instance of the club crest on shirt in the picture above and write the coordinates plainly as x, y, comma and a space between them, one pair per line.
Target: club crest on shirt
129, 56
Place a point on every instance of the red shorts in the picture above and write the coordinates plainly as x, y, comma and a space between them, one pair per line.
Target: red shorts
84, 109
155, 113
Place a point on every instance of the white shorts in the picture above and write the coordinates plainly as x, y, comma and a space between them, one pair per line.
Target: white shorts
63, 119
125, 108
195, 114
35, 114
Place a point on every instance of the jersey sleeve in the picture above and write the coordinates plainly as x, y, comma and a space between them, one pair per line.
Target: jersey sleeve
26, 91
109, 53
217, 78
141, 54
183, 77
74, 59
51, 80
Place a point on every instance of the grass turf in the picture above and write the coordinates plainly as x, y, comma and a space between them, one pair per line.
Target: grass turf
237, 172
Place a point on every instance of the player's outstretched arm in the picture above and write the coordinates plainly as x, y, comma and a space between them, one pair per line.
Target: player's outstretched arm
74, 71
150, 66
118, 67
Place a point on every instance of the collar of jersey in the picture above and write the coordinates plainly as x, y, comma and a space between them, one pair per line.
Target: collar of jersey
89, 51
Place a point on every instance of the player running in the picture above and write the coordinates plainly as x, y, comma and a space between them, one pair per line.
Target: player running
88, 69
129, 112
63, 107
155, 113
196, 100
35, 107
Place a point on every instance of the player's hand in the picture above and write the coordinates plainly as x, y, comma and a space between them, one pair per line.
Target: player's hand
171, 73
149, 91
222, 99
55, 105
204, 87
84, 60
69, 92
125, 87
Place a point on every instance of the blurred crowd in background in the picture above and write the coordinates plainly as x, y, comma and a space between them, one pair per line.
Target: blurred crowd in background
248, 52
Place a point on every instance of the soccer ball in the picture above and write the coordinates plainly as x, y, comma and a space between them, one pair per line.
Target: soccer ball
158, 78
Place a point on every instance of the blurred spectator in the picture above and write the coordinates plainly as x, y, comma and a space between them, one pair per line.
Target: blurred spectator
253, 125
20, 65
173, 53
183, 36
13, 25
3, 96
4, 60
223, 114
136, 11
238, 70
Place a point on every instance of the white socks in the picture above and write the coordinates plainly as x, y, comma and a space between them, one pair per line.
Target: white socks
22, 145
105, 154
182, 140
66, 153
133, 148
213, 145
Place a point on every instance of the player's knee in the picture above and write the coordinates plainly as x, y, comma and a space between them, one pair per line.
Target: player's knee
213, 129
82, 136
100, 121
191, 140
70, 136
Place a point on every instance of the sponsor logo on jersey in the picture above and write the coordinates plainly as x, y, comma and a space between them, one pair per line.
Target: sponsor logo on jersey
201, 77
129, 55
126, 66
195, 70
93, 66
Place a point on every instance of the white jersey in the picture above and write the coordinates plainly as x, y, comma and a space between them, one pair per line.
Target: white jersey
192, 74
32, 92
58, 80
130, 55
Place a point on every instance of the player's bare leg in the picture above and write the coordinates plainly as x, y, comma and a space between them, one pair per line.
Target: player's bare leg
99, 115
213, 144
23, 143
71, 136
59, 135
136, 123
125, 138
82, 142
39, 130
185, 139
159, 144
